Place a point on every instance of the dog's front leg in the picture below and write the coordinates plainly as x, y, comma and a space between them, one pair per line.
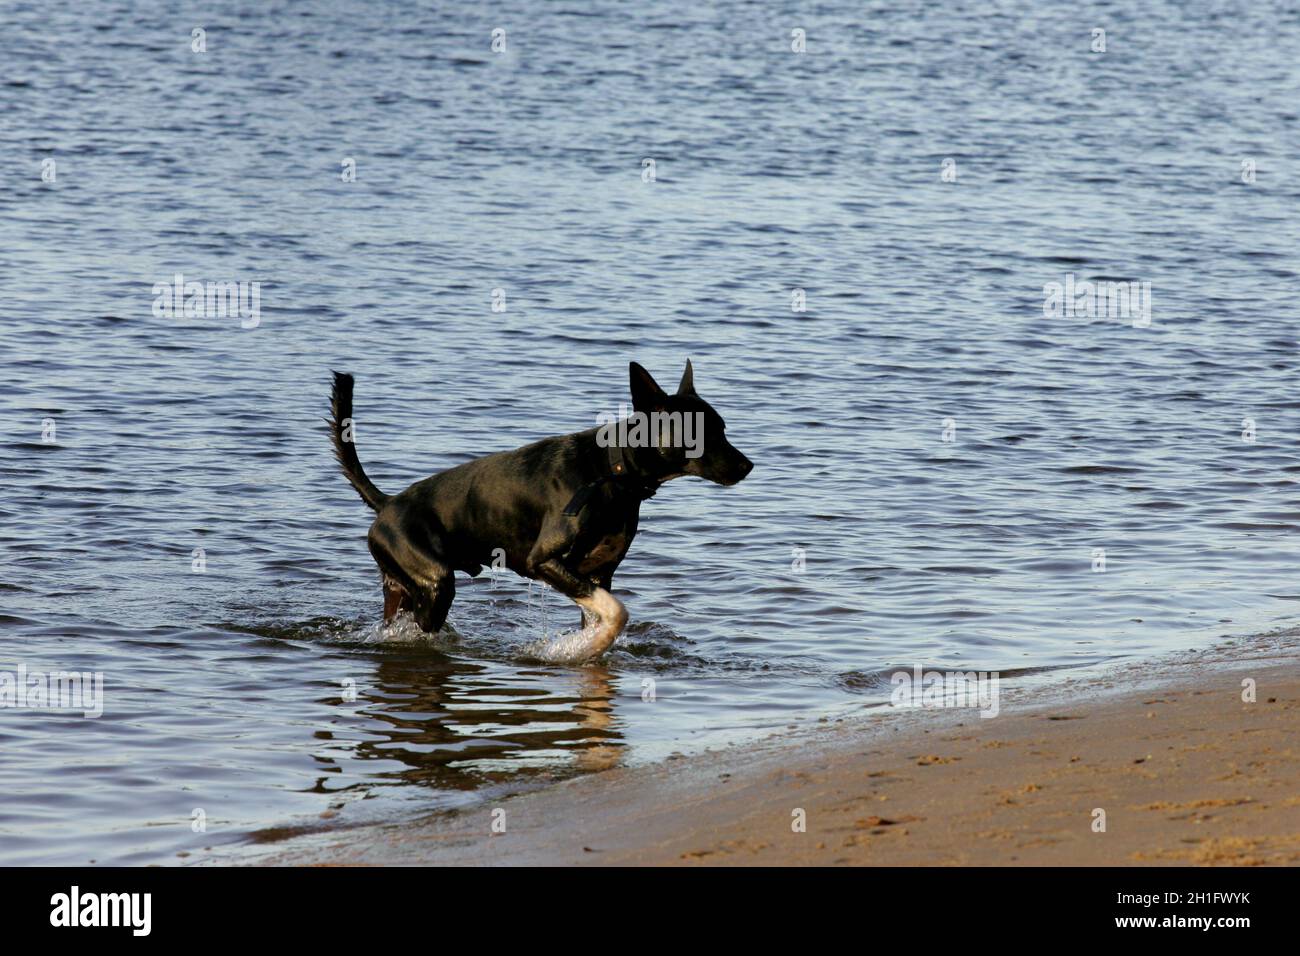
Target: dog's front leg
605, 580
604, 615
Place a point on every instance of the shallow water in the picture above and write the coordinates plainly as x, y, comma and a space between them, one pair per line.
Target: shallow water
231, 691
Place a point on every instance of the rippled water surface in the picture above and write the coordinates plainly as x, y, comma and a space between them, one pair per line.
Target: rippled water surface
263, 692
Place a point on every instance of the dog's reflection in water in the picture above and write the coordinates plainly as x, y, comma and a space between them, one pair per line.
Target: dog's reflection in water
460, 725
596, 688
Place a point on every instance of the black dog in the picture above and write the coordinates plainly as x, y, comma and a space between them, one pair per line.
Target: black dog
562, 510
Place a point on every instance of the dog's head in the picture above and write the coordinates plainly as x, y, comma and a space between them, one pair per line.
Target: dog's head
689, 435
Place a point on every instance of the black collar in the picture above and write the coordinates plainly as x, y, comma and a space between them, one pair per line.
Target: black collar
623, 473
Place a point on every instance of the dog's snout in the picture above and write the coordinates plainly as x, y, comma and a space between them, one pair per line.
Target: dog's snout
740, 467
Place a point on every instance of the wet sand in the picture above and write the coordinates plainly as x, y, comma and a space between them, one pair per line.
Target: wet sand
1186, 772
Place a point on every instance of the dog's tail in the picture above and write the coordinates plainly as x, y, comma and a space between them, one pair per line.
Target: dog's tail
345, 450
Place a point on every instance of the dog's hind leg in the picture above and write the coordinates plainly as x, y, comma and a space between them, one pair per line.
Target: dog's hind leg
415, 577
430, 588
395, 598
433, 598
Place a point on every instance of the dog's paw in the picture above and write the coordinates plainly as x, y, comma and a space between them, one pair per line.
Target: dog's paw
575, 647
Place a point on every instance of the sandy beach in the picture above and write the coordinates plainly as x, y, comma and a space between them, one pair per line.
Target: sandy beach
1185, 770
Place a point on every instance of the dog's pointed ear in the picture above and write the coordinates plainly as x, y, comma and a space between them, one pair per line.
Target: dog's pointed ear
646, 393
687, 385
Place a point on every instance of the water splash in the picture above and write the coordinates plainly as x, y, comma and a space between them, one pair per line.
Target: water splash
573, 647
403, 629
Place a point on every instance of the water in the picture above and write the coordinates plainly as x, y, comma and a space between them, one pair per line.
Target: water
230, 691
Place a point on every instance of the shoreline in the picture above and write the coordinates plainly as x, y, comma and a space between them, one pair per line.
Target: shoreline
1184, 770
